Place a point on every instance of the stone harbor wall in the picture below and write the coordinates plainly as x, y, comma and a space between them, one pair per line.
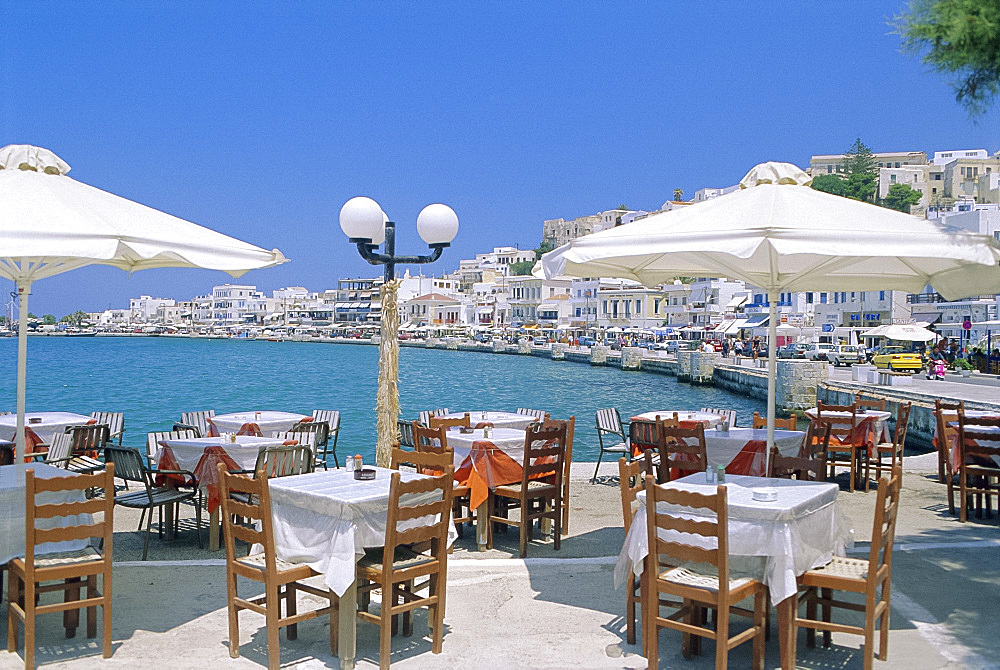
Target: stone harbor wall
632, 358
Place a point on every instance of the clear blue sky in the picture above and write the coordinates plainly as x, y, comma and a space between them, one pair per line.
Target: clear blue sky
261, 119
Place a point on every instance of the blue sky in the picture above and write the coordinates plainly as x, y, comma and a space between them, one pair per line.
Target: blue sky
261, 119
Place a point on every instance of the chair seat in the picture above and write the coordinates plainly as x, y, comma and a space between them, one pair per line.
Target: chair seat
514, 490
701, 580
87, 554
161, 496
841, 567
85, 464
257, 562
403, 558
621, 447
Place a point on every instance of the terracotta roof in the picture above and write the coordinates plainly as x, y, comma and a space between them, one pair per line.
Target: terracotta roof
434, 296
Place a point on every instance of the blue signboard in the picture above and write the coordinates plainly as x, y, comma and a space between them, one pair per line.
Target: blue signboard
828, 327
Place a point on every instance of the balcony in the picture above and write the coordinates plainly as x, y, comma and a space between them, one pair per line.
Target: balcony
924, 298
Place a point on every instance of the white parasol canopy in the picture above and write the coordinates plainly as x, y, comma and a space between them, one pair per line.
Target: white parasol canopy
781, 235
50, 223
904, 332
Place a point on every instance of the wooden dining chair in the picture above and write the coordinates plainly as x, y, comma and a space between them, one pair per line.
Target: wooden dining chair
945, 413
978, 472
424, 418
280, 578
405, 433
877, 404
759, 422
570, 425
846, 442
115, 421
396, 567
436, 440
72, 571
894, 449
696, 588
680, 450
331, 417
60, 454
539, 493
539, 414
88, 440
196, 421
728, 415
630, 482
450, 422
810, 463
870, 578
611, 429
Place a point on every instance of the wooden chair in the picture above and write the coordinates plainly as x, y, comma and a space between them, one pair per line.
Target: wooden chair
331, 417
445, 422
610, 428
281, 579
680, 449
284, 461
405, 433
539, 493
319, 432
630, 482
153, 442
979, 442
291, 439
570, 425
894, 449
423, 462
395, 567
425, 417
88, 440
791, 423
72, 570
871, 578
195, 421
810, 465
697, 589
130, 468
539, 414
846, 446
115, 421
60, 454
728, 415
944, 413
436, 440
877, 404
643, 435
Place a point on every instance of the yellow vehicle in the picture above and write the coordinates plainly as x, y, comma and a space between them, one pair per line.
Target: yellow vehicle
897, 358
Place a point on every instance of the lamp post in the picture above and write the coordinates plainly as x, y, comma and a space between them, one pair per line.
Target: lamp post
367, 226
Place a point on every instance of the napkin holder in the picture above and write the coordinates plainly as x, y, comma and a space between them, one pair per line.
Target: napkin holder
35, 419
465, 430
765, 494
364, 474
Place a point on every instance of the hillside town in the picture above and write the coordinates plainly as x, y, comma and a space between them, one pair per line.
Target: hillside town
495, 289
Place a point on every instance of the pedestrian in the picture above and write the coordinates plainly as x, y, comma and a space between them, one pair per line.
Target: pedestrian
738, 346
725, 348
755, 347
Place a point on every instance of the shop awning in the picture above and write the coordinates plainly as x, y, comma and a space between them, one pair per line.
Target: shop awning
924, 319
755, 321
737, 301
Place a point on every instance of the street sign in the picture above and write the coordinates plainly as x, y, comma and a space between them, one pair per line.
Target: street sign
828, 327
967, 325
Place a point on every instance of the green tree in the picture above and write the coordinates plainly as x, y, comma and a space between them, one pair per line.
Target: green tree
522, 268
49, 320
860, 172
901, 197
678, 194
542, 249
625, 207
76, 318
959, 38
829, 183
32, 316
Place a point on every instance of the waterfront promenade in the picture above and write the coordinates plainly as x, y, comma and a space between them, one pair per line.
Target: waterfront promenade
552, 610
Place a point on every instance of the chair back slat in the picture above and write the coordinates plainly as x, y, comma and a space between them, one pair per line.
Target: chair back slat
91, 437
405, 433
728, 415
610, 421
92, 506
320, 430
671, 509
438, 510
257, 508
425, 416
115, 421
331, 417
153, 441
128, 464
425, 462
539, 414
791, 423
544, 451
630, 482
59, 450
284, 461
429, 439
448, 422
870, 403
198, 419
680, 449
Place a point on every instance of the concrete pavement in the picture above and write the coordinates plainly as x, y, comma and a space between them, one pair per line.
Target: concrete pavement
553, 610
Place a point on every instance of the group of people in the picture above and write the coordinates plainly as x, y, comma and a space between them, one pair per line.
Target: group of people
750, 348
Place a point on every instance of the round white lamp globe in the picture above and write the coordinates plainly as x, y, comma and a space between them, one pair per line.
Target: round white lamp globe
437, 224
362, 218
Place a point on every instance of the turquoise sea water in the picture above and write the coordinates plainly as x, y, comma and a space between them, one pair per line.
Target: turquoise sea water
154, 379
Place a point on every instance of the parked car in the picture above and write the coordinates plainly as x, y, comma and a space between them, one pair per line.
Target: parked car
793, 350
819, 351
845, 354
587, 341
897, 358
673, 346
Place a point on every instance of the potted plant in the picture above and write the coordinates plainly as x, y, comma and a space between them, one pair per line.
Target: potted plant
963, 366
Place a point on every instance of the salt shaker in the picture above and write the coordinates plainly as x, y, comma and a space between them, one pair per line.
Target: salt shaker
349, 463
709, 474
358, 463
721, 474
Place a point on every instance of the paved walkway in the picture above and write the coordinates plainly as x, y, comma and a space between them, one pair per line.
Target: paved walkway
553, 610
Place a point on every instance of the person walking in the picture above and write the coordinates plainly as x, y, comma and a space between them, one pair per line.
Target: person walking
755, 347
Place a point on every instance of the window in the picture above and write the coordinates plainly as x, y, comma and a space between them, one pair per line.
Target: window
892, 179
881, 295
938, 176
656, 306
822, 298
897, 163
829, 169
934, 190
638, 307
843, 296
809, 298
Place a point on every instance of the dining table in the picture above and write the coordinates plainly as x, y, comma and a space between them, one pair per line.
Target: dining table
269, 421
774, 541
326, 519
685, 418
44, 424
201, 456
497, 419
872, 425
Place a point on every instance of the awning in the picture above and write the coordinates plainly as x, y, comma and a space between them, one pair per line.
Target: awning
756, 321
484, 310
272, 316
342, 305
924, 319
737, 301
733, 327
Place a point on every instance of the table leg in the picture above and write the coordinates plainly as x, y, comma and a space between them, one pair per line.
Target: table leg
167, 518
482, 525
786, 632
347, 631
214, 526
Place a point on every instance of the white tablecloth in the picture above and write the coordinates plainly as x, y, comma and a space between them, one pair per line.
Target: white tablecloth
51, 424
710, 419
498, 419
771, 541
722, 447
878, 418
267, 420
188, 452
508, 440
12, 502
326, 519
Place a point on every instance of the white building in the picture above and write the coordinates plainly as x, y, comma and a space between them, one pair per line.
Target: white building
233, 303
143, 309
703, 194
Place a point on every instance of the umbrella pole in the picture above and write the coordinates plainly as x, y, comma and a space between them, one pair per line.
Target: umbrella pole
23, 290
772, 373
387, 397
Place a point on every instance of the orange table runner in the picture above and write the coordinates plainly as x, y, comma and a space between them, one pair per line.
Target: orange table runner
206, 472
486, 467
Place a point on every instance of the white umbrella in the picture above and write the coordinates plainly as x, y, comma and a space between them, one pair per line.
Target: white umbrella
905, 332
780, 234
50, 223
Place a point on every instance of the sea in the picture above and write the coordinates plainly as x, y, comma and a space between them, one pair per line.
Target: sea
153, 379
